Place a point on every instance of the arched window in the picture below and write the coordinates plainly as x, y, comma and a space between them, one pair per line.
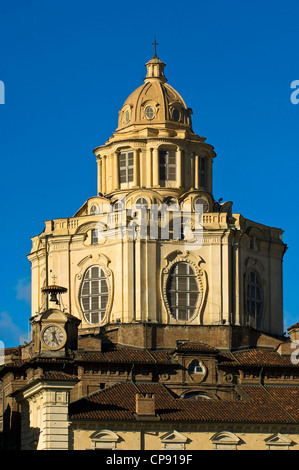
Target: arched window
94, 294
182, 291
254, 299
141, 203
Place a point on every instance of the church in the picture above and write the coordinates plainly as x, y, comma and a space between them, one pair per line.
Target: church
157, 312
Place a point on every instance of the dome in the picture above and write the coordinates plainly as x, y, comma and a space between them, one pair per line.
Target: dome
154, 104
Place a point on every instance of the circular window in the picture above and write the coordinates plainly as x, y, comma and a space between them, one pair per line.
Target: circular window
175, 114
182, 291
149, 112
201, 204
127, 116
94, 295
254, 299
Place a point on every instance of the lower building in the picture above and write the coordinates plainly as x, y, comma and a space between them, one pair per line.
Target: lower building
102, 394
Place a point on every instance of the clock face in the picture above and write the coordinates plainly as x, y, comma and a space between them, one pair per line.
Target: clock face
54, 337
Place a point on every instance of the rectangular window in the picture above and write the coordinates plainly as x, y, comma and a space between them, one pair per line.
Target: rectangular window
126, 167
202, 170
167, 166
94, 237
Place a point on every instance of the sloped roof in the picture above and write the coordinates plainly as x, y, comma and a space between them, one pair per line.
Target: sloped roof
263, 405
196, 346
126, 355
257, 357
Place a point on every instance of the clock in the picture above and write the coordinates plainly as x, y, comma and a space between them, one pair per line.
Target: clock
53, 337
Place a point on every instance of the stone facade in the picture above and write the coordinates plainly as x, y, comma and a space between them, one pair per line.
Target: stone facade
157, 316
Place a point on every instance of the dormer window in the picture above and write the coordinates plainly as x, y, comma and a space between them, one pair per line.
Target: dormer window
94, 210
149, 112
175, 114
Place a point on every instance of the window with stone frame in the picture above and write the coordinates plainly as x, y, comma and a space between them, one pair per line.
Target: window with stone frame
94, 294
202, 171
182, 291
167, 166
126, 167
254, 299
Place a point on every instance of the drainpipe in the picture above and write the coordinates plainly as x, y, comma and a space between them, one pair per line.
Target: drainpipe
142, 437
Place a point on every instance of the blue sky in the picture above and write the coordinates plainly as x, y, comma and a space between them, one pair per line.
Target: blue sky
68, 66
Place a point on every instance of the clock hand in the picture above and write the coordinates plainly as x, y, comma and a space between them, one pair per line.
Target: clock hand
54, 337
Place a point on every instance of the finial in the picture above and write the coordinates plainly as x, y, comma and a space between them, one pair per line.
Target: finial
155, 44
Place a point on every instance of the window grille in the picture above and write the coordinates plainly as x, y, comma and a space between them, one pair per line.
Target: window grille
94, 294
182, 291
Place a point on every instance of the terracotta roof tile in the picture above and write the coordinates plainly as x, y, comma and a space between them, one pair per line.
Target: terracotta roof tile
126, 355
196, 346
258, 357
118, 403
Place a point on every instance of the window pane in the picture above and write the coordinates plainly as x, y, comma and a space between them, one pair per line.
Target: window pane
94, 294
85, 288
254, 297
126, 167
182, 291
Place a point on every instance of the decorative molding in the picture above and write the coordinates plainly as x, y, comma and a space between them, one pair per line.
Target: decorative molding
278, 441
194, 260
104, 439
225, 440
102, 261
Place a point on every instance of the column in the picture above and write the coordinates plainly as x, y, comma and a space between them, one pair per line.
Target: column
149, 167
196, 171
179, 167
104, 186
136, 168
115, 171
109, 174
156, 167
192, 170
100, 190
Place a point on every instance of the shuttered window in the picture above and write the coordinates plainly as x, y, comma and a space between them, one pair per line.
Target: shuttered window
126, 167
182, 291
167, 166
94, 295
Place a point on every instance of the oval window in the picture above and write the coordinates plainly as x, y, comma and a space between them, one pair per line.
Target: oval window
94, 295
149, 112
182, 291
